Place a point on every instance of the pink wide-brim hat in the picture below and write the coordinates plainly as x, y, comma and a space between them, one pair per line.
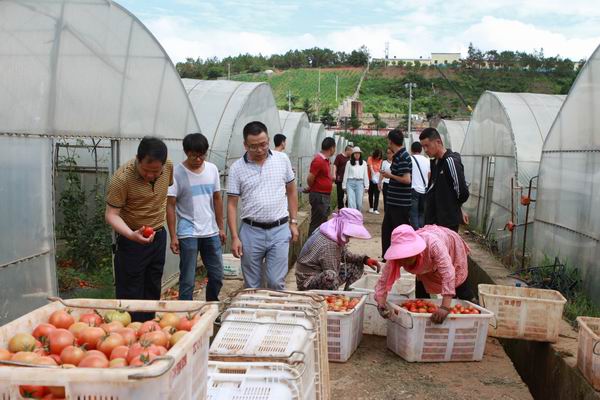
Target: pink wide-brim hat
405, 243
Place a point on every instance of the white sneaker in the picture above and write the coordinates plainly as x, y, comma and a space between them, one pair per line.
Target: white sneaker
376, 212
370, 210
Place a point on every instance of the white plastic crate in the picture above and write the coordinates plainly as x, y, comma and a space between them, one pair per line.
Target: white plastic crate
588, 350
461, 337
373, 323
269, 336
523, 313
292, 300
251, 381
181, 374
232, 267
344, 329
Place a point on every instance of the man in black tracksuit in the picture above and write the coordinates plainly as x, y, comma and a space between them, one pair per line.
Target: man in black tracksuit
447, 189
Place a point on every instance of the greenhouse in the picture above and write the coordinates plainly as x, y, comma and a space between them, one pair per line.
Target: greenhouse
453, 133
567, 220
296, 128
223, 108
501, 155
129, 89
317, 130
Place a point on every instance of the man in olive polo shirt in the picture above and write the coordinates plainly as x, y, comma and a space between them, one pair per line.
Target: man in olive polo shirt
137, 198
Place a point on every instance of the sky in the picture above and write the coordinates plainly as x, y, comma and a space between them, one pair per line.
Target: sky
413, 28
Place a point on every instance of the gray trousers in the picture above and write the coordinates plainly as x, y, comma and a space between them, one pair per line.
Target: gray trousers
320, 208
271, 245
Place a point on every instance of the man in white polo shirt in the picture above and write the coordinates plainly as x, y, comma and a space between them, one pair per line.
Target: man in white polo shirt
265, 183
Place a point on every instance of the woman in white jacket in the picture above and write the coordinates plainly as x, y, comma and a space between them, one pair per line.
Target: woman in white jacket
356, 179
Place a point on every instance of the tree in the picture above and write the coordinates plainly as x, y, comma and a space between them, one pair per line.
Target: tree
359, 57
355, 123
307, 108
378, 122
327, 118
474, 57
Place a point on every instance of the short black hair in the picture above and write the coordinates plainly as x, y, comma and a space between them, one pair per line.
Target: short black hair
430, 133
195, 142
153, 148
254, 128
396, 137
416, 147
348, 147
376, 153
327, 143
278, 139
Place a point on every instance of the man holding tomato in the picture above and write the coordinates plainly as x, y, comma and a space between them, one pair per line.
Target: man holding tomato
136, 203
437, 255
195, 218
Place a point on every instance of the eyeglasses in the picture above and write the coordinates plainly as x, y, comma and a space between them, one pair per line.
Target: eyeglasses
196, 156
259, 146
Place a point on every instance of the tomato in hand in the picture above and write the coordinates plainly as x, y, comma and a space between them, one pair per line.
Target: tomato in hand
147, 231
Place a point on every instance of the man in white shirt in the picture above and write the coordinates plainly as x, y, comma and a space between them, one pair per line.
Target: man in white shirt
195, 218
420, 180
264, 182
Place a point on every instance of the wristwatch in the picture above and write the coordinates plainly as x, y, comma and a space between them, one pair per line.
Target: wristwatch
294, 221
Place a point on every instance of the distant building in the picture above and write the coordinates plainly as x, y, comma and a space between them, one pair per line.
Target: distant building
435, 59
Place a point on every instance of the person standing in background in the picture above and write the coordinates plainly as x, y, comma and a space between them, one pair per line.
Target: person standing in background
420, 180
339, 167
195, 218
385, 167
399, 196
356, 179
264, 182
136, 200
374, 166
320, 183
279, 141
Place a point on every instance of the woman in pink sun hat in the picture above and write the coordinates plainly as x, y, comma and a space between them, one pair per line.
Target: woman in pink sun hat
325, 262
437, 255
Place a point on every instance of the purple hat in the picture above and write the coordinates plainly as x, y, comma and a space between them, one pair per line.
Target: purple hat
406, 243
348, 222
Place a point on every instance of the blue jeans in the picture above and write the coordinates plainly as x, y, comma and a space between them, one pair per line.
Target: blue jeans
271, 245
355, 188
212, 258
417, 210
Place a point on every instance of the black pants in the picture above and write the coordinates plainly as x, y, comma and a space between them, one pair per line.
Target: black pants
373, 196
340, 196
394, 217
319, 210
463, 291
384, 190
139, 270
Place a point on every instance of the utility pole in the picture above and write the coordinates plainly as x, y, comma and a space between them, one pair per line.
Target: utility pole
336, 88
410, 87
289, 100
228, 71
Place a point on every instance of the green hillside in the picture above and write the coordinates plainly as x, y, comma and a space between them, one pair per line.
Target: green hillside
303, 84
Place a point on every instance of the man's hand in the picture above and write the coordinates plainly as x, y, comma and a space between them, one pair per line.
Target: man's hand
236, 248
138, 236
439, 315
465, 217
222, 236
295, 233
374, 264
383, 311
386, 174
175, 245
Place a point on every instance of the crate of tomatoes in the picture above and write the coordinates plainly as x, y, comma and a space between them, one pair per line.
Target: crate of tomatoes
90, 348
345, 314
461, 337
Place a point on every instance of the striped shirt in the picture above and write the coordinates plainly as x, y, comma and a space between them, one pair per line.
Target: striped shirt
140, 203
400, 194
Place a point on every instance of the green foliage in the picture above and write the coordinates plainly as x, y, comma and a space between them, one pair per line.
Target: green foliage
355, 123
308, 109
85, 234
327, 118
367, 143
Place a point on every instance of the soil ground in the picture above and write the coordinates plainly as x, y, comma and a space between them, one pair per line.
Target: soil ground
376, 373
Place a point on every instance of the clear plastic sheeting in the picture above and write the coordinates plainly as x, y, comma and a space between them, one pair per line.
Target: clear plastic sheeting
503, 145
453, 133
567, 218
86, 68
27, 267
317, 130
223, 108
296, 128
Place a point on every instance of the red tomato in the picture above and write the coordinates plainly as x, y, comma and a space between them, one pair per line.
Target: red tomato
91, 318
42, 331
148, 326
112, 326
60, 338
119, 352
185, 323
5, 354
148, 231
108, 343
142, 359
72, 355
90, 336
128, 334
33, 391
61, 319
422, 310
93, 361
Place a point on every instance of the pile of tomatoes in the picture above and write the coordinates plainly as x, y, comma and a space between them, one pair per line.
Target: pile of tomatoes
341, 303
459, 309
94, 341
419, 306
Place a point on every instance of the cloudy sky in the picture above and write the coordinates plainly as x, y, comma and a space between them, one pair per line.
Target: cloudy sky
413, 28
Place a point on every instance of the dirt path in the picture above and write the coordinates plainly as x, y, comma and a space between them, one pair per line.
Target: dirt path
376, 373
